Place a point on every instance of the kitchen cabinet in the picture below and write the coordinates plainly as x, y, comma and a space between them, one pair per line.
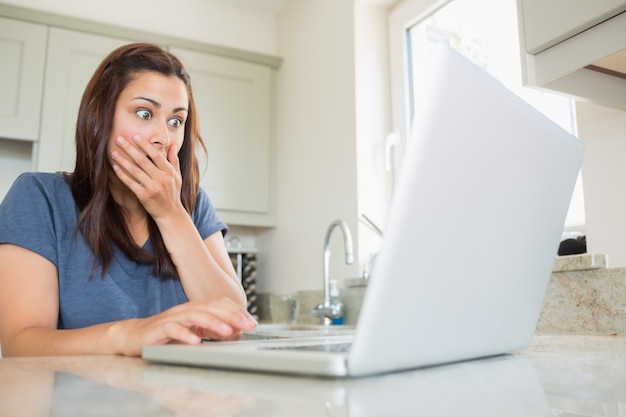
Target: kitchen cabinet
234, 103
550, 22
23, 51
73, 56
572, 47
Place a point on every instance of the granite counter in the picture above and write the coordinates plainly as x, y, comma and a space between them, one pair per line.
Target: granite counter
558, 375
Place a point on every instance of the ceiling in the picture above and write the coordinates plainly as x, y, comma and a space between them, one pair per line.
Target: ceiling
268, 6
276, 6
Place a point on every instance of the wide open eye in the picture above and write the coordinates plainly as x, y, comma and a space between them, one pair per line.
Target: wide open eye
144, 114
175, 122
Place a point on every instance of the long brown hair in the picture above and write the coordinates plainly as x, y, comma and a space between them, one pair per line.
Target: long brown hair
101, 221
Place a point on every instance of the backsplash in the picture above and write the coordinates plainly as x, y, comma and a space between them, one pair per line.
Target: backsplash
277, 308
591, 300
583, 297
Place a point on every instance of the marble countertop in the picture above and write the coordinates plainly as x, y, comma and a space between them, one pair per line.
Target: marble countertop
558, 375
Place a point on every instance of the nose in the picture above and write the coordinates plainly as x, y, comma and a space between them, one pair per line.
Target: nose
160, 137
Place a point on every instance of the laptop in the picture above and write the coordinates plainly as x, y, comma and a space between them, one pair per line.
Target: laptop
473, 231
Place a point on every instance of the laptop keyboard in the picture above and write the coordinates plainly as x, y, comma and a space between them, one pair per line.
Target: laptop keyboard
325, 347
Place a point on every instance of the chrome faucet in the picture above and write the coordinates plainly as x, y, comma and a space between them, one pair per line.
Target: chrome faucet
369, 263
326, 310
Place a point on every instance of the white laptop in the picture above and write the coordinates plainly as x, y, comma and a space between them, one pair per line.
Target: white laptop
473, 232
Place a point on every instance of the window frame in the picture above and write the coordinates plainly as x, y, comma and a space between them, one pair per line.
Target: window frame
401, 18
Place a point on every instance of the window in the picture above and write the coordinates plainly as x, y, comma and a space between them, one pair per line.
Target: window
486, 32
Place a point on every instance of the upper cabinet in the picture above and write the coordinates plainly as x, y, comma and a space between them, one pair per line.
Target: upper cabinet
72, 59
575, 47
23, 52
550, 22
234, 101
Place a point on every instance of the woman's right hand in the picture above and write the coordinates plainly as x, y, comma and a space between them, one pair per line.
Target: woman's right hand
189, 323
29, 285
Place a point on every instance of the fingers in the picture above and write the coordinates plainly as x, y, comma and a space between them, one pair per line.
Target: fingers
144, 153
190, 322
172, 157
178, 332
222, 317
142, 161
151, 175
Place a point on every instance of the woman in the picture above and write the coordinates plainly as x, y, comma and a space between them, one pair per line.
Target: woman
126, 250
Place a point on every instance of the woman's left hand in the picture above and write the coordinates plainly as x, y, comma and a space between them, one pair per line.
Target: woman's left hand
153, 176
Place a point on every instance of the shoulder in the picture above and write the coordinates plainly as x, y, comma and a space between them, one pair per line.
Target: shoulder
53, 182
37, 211
34, 191
204, 206
202, 200
205, 217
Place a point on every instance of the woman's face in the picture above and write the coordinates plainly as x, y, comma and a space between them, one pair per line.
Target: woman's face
153, 106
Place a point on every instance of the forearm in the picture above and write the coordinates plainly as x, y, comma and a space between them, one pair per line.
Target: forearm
204, 275
219, 319
44, 341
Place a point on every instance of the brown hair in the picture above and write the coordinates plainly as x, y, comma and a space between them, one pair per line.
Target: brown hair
101, 220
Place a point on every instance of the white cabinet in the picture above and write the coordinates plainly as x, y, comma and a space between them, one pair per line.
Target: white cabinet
234, 103
72, 58
565, 44
23, 52
549, 22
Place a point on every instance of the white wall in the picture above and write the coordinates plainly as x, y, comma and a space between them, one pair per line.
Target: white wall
197, 20
603, 130
333, 117
316, 147
373, 121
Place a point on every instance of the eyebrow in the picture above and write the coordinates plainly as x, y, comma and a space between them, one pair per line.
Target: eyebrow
158, 105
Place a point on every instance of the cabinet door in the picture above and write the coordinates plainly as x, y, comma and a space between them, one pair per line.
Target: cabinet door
234, 105
549, 22
23, 52
72, 59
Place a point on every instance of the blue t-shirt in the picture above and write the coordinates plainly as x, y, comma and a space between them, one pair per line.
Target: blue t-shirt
39, 213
